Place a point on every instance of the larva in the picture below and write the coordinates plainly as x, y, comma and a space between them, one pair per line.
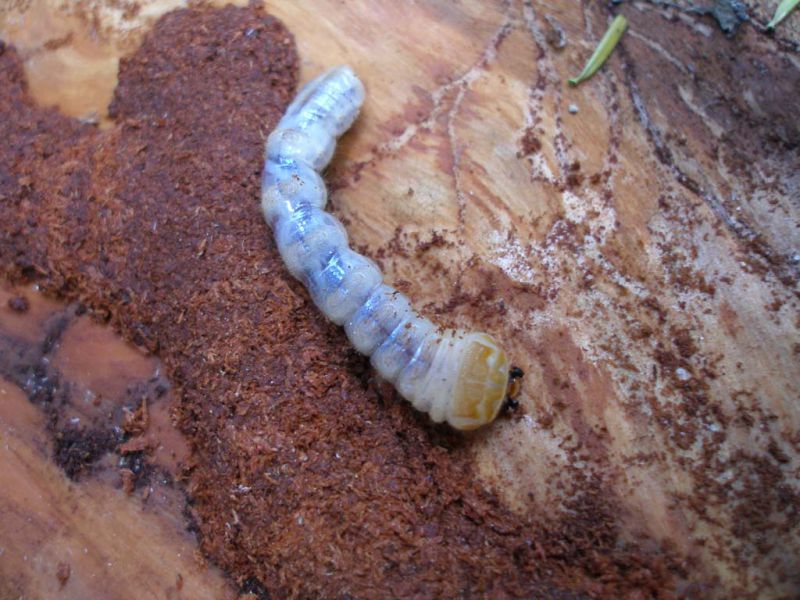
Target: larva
455, 376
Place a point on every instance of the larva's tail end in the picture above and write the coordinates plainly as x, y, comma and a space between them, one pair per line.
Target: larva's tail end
333, 98
353, 86
344, 78
346, 73
482, 384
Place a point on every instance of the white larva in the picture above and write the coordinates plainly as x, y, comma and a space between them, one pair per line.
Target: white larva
453, 375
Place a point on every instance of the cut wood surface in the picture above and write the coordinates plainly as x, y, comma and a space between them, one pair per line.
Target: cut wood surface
97, 537
633, 242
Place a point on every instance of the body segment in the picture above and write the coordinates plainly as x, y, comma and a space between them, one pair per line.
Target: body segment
452, 375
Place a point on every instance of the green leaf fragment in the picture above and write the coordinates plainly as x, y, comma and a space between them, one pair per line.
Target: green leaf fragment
783, 10
604, 49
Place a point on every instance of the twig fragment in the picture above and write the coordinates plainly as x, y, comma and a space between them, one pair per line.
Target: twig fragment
604, 49
783, 10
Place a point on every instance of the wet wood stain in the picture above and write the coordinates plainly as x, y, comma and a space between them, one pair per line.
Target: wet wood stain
73, 538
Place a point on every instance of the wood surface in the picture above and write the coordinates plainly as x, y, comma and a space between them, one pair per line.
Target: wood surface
637, 255
89, 538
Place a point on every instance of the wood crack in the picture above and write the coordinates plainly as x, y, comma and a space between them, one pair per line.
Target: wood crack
440, 106
753, 243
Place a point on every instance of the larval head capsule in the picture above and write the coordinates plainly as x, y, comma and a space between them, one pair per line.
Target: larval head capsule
482, 383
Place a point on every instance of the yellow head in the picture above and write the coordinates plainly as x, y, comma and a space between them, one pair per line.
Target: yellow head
482, 383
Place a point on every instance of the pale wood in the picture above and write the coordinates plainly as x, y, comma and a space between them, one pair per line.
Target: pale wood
107, 543
115, 546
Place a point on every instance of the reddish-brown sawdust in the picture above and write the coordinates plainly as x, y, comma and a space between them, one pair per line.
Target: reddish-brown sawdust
308, 478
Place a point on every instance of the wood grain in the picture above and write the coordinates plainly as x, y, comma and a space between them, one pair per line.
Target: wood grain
88, 538
639, 258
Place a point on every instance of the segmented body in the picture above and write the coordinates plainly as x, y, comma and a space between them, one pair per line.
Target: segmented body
453, 375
